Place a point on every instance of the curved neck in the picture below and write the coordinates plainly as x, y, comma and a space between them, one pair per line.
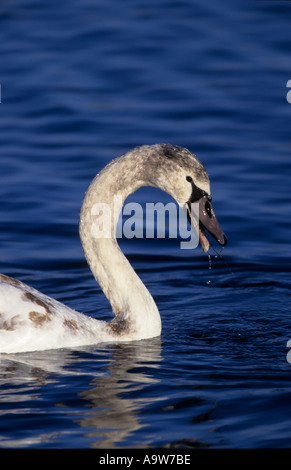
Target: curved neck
132, 304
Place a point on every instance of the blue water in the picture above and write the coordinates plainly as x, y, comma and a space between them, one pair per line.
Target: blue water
83, 82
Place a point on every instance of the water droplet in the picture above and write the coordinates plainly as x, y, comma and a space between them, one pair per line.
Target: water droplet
208, 282
209, 258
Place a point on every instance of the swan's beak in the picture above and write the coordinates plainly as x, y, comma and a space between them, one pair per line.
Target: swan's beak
207, 221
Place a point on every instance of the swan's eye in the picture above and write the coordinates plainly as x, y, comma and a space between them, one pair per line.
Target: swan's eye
208, 209
189, 179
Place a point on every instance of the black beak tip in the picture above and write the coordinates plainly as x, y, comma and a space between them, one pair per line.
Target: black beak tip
224, 241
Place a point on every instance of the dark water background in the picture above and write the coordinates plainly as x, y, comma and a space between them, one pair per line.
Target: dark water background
83, 81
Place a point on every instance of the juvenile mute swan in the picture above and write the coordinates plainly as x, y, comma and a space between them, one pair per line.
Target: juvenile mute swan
30, 321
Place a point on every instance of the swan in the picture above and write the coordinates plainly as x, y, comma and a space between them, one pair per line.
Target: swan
32, 321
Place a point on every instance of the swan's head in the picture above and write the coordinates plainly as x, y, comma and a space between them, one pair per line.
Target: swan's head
186, 179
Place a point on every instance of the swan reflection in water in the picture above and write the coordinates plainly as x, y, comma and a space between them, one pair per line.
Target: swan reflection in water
108, 407
116, 399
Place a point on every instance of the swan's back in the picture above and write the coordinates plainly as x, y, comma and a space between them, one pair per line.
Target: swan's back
30, 320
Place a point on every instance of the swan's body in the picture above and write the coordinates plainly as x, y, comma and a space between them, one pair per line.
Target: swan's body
31, 321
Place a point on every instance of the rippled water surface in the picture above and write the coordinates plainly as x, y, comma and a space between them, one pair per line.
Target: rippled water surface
83, 82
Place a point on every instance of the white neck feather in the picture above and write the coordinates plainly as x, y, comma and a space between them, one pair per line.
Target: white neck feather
135, 310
